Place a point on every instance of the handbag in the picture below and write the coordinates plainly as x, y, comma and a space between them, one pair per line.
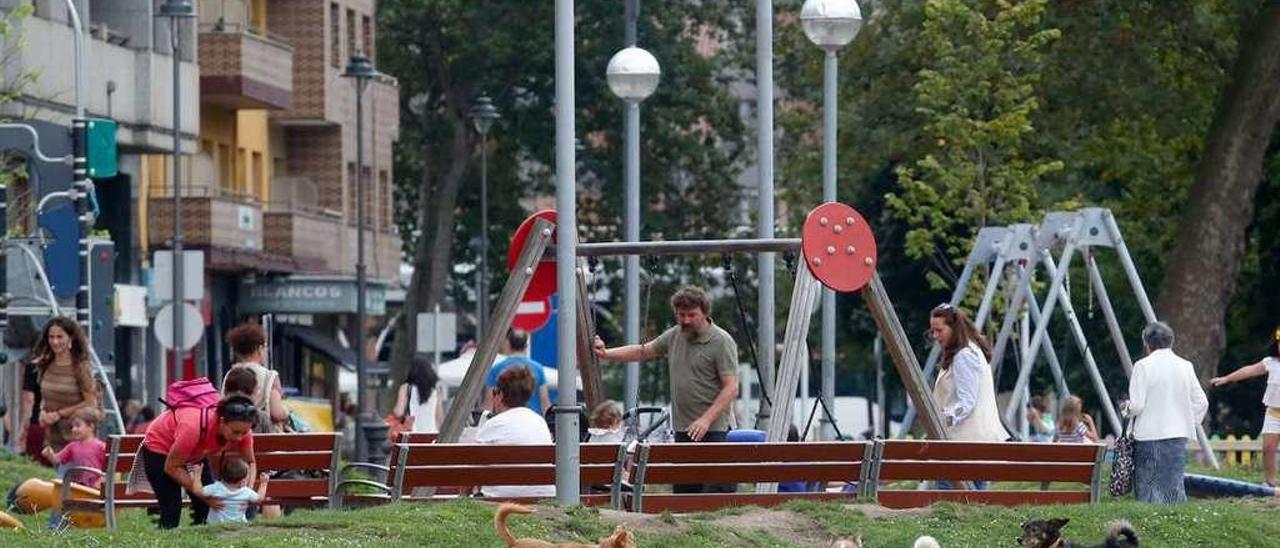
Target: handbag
1122, 466
397, 425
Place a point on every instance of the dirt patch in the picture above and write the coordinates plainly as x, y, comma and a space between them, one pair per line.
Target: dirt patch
641, 523
875, 511
784, 525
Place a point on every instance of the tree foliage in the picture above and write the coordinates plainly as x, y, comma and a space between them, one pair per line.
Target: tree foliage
447, 52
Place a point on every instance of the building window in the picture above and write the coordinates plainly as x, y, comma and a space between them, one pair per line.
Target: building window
366, 35
335, 36
351, 32
384, 200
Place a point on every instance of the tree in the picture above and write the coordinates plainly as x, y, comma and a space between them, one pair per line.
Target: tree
446, 52
1210, 247
977, 98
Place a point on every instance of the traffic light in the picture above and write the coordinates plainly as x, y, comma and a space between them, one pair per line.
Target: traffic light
102, 305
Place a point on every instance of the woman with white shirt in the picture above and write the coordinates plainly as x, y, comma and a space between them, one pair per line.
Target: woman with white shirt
1269, 366
514, 424
1166, 402
965, 390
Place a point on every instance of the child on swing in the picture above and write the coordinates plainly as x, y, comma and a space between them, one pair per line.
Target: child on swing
1269, 365
1074, 425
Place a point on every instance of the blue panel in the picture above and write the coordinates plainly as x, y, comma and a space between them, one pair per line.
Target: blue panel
62, 254
543, 343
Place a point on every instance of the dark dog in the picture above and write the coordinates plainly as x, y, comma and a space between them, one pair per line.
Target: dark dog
1047, 533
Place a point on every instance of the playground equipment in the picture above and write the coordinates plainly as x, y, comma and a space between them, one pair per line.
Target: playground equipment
36, 495
1024, 249
838, 251
1202, 486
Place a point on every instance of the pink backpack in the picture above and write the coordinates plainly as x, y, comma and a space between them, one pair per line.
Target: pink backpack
197, 393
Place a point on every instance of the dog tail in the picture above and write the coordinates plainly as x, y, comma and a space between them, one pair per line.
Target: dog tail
1120, 534
500, 520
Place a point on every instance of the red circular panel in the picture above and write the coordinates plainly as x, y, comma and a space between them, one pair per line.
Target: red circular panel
532, 315
839, 247
543, 283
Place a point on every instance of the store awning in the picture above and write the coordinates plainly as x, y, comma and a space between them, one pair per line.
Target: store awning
319, 342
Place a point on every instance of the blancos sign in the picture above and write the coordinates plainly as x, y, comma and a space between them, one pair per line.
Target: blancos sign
310, 296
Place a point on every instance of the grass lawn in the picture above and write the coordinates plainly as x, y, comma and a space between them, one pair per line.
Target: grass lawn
469, 523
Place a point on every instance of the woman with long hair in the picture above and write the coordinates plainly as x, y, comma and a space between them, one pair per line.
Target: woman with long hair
61, 357
965, 391
248, 342
419, 396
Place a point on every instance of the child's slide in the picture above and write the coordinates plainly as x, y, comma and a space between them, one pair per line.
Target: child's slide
1198, 485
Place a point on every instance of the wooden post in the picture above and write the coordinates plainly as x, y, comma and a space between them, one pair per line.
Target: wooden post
500, 322
592, 385
904, 359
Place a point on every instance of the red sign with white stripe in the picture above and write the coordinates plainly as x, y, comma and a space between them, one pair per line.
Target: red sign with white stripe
532, 315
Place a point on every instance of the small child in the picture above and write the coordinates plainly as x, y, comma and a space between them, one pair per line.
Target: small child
232, 490
606, 422
1074, 425
85, 449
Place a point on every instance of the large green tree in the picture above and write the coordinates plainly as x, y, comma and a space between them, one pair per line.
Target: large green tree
447, 52
1211, 243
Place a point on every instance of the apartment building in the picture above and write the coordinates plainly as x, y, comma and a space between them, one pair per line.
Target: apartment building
269, 192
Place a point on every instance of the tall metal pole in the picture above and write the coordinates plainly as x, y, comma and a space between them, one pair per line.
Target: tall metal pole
482, 277
764, 144
631, 222
178, 297
567, 458
830, 132
362, 438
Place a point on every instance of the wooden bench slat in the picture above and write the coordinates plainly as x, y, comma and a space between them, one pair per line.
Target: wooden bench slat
296, 488
917, 499
294, 442
702, 502
892, 470
999, 451
441, 454
512, 474
270, 462
751, 452
663, 473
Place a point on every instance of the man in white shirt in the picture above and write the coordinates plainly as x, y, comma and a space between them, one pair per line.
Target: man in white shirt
1167, 402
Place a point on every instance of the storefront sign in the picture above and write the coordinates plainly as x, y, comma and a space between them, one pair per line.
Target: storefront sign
310, 296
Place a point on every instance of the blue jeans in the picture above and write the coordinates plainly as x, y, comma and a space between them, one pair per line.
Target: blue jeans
947, 485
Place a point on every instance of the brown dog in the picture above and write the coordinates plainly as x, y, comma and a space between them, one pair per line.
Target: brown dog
621, 538
1047, 533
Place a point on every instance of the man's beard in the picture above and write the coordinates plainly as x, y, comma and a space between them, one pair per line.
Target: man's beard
688, 330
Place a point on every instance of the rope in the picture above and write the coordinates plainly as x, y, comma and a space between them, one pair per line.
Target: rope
746, 328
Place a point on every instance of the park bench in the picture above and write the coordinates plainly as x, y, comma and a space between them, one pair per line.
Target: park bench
313, 455
843, 462
376, 489
914, 461
441, 469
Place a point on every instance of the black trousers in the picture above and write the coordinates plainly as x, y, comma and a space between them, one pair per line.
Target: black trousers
169, 493
710, 437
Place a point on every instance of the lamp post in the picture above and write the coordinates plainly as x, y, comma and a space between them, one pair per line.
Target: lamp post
829, 24
176, 11
633, 75
361, 70
483, 114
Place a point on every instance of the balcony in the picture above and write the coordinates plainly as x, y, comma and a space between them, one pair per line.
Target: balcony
242, 70
212, 218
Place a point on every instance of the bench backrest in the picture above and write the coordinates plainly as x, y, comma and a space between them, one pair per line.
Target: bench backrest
929, 460
313, 456
454, 465
732, 463
317, 453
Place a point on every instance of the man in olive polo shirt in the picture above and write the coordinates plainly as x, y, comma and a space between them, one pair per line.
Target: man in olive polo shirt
703, 366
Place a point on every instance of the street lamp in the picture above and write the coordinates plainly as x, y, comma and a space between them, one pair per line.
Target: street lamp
361, 70
176, 11
829, 24
633, 75
483, 114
